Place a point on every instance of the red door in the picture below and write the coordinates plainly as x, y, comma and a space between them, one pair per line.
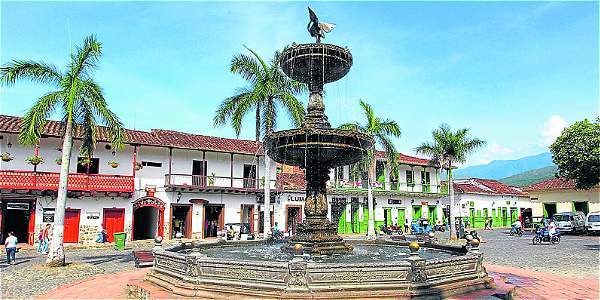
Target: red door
114, 221
71, 234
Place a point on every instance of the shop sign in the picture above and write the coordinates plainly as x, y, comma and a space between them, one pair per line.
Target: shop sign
296, 198
17, 206
394, 201
48, 215
93, 215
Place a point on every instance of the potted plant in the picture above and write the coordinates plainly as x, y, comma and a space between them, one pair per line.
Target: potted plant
211, 179
35, 160
138, 166
6, 157
58, 160
113, 164
85, 161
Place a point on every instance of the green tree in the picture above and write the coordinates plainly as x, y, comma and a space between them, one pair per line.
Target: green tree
449, 148
576, 152
81, 105
381, 131
268, 90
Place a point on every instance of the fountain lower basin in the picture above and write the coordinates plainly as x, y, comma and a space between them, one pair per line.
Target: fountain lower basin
376, 269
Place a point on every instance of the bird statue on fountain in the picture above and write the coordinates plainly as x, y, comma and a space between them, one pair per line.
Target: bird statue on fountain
316, 28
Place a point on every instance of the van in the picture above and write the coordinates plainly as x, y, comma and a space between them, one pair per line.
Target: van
570, 221
592, 222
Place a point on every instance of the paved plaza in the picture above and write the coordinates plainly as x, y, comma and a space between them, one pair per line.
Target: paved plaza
512, 261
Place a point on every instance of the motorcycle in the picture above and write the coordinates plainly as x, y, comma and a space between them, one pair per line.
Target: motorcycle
440, 228
516, 231
542, 235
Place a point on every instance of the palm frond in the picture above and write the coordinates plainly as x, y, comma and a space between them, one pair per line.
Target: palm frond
40, 72
32, 124
85, 58
294, 108
98, 105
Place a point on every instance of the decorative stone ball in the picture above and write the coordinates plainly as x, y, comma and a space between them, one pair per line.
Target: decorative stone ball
431, 234
475, 242
298, 249
179, 235
469, 237
158, 239
414, 247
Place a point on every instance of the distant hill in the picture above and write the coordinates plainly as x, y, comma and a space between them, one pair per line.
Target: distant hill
529, 177
498, 169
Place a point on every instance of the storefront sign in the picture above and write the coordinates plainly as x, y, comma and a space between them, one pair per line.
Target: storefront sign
296, 198
394, 201
48, 215
93, 215
17, 206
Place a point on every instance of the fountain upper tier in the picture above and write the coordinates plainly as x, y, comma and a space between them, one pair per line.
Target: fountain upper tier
308, 62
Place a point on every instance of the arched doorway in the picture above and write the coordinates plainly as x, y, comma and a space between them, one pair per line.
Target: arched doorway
148, 218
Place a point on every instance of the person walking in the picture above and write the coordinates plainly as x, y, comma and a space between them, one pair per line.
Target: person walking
11, 248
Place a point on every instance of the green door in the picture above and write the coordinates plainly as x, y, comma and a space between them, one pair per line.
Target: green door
416, 212
472, 217
356, 222
504, 217
401, 216
388, 217
432, 214
514, 215
365, 222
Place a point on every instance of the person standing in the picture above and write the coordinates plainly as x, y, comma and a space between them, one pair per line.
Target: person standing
11, 248
44, 239
406, 226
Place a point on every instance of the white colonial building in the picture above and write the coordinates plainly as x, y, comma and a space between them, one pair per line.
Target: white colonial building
166, 182
477, 199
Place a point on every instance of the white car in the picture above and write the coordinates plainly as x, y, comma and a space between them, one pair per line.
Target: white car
592, 222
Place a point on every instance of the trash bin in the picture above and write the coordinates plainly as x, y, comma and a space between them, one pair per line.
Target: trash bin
120, 240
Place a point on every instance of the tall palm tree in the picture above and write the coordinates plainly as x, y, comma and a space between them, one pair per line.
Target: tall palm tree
81, 104
381, 130
449, 148
268, 90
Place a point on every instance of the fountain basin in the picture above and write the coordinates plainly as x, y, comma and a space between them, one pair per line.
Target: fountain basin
318, 146
316, 62
210, 271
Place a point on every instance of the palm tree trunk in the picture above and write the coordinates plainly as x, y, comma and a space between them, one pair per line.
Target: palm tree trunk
56, 253
371, 228
452, 209
267, 187
258, 121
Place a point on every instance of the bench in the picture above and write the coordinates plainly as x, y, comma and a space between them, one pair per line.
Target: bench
143, 258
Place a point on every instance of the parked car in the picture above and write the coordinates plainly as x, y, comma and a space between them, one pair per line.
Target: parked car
570, 221
592, 222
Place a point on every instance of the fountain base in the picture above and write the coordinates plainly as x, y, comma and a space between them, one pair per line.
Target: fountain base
318, 236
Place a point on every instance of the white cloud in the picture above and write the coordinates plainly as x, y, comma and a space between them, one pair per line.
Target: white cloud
497, 149
552, 128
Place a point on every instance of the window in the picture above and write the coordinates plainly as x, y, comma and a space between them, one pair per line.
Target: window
425, 177
151, 164
88, 166
199, 173
339, 173
48, 215
409, 177
249, 176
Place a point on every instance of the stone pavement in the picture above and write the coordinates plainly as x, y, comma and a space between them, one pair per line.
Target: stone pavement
523, 284
106, 286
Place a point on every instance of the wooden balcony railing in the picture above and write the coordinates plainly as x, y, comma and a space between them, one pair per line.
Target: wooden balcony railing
388, 186
199, 181
28, 180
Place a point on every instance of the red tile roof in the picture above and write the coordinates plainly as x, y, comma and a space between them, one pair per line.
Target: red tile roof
407, 159
291, 181
551, 184
486, 186
156, 137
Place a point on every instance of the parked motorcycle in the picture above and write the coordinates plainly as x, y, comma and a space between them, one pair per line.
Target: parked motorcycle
440, 228
518, 231
542, 235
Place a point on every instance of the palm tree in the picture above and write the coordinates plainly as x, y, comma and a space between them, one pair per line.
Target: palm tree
449, 148
81, 104
269, 89
381, 131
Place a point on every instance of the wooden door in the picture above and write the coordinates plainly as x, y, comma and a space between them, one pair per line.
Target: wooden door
114, 221
71, 232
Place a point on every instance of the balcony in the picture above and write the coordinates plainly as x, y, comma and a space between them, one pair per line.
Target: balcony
215, 183
393, 186
47, 181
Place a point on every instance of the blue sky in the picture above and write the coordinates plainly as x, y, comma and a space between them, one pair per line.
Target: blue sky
513, 72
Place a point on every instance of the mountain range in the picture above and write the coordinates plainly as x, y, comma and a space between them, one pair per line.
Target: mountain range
530, 177
499, 169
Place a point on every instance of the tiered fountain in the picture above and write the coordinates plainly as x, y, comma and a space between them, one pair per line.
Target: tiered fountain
315, 263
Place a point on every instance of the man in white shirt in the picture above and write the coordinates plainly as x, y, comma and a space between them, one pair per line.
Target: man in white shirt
11, 248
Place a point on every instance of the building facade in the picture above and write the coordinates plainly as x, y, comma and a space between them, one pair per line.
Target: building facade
478, 199
558, 195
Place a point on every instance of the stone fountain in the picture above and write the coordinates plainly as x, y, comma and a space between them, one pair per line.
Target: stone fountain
316, 263
315, 146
